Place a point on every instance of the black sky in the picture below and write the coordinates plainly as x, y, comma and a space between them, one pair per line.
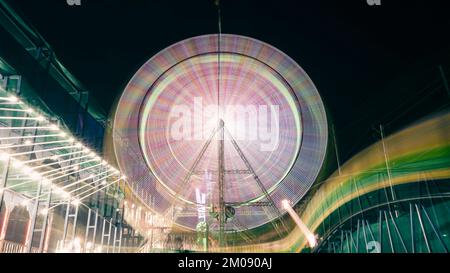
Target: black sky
354, 53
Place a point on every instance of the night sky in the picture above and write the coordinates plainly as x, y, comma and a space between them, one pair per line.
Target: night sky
369, 63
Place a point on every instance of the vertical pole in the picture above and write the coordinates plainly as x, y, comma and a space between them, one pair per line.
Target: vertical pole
34, 215
109, 234
120, 238
364, 234
94, 235
380, 229
4, 228
221, 184
153, 223
66, 223
44, 233
412, 227
4, 180
114, 240
357, 237
88, 226
103, 233
75, 219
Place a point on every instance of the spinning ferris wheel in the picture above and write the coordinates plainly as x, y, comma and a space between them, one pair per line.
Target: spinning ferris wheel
220, 129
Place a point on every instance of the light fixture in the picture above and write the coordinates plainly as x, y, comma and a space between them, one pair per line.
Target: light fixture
76, 202
27, 171
65, 194
286, 204
28, 142
44, 211
4, 156
46, 182
40, 118
17, 164
54, 127
35, 176
13, 99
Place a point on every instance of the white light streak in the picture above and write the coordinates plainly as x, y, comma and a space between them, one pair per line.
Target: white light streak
303, 228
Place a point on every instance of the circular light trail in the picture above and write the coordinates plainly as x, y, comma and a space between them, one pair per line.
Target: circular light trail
167, 135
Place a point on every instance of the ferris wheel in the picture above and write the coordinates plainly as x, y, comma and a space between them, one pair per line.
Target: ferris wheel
220, 129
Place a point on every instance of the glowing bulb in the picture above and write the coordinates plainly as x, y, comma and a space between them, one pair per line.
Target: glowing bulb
104, 182
76, 168
27, 171
54, 127
27, 142
78, 145
65, 194
40, 118
54, 157
124, 177
4, 156
286, 204
44, 211
35, 176
133, 205
63, 134
13, 99
29, 111
86, 150
17, 164
76, 202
